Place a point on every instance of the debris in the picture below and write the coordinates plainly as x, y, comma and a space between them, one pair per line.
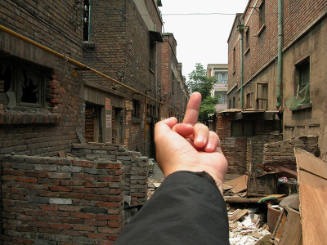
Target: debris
247, 231
266, 240
312, 177
291, 201
262, 185
273, 214
270, 198
292, 233
237, 199
226, 187
153, 185
238, 184
279, 225
61, 154
238, 214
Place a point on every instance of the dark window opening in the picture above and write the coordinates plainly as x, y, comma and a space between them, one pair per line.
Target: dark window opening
262, 14
30, 89
234, 61
86, 20
93, 123
249, 100
136, 109
242, 128
303, 74
262, 96
5, 78
234, 104
247, 39
24, 82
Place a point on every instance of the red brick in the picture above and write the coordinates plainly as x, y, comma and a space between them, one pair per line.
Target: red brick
60, 188
108, 204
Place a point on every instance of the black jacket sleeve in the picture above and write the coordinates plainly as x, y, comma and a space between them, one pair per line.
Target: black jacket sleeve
186, 209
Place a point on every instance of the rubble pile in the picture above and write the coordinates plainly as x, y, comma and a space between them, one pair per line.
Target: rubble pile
248, 229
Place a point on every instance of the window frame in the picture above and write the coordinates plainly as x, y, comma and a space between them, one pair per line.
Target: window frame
20, 68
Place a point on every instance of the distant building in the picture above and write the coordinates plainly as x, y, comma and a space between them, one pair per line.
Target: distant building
173, 91
220, 72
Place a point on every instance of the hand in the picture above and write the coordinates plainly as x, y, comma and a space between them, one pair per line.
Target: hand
189, 146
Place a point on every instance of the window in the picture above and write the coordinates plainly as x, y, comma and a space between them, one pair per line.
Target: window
136, 109
221, 77
234, 61
247, 40
301, 100
303, 75
172, 84
262, 14
234, 102
23, 82
86, 20
249, 100
262, 96
221, 97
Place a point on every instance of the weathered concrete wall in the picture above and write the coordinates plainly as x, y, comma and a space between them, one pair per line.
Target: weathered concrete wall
49, 200
310, 121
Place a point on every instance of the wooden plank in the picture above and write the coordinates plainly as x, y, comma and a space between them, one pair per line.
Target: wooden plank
238, 214
312, 173
309, 163
292, 232
238, 184
237, 199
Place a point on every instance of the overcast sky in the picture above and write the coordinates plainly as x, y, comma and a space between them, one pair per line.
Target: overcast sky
200, 38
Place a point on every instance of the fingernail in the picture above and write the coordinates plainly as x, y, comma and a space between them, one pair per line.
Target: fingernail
200, 140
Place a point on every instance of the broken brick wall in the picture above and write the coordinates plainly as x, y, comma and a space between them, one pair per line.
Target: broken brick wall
49, 200
281, 153
245, 153
136, 168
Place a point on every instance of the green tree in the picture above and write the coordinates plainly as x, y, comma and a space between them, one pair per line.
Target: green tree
199, 82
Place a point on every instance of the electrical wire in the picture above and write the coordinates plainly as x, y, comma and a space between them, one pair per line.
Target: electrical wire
181, 14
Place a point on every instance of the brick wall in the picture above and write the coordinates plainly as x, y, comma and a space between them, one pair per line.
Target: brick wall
173, 90
136, 167
234, 149
121, 48
281, 153
298, 15
52, 128
49, 200
245, 154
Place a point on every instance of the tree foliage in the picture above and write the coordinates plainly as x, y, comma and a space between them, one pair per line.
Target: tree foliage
199, 82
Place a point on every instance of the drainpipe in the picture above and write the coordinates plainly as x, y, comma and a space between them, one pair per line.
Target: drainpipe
241, 30
280, 54
90, 21
156, 83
